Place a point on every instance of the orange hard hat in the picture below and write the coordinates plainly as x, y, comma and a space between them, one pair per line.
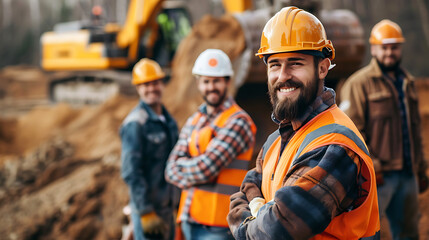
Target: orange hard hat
293, 29
386, 32
146, 70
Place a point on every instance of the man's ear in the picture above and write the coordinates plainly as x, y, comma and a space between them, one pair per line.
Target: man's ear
373, 50
323, 68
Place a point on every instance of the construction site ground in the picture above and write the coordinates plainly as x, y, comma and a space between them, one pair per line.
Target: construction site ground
60, 164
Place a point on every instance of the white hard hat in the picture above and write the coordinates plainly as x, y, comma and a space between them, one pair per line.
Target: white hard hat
213, 63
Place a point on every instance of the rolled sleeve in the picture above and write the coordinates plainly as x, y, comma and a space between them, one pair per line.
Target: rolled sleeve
233, 139
322, 185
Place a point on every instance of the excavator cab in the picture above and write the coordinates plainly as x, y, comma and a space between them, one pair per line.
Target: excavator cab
173, 23
91, 61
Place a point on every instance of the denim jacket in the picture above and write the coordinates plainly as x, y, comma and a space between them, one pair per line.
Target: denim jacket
146, 144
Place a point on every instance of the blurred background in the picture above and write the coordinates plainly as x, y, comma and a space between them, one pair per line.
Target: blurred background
65, 72
23, 21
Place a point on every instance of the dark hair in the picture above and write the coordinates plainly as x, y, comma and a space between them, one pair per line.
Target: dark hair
317, 60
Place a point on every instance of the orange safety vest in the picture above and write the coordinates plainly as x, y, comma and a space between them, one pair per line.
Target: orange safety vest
210, 202
330, 127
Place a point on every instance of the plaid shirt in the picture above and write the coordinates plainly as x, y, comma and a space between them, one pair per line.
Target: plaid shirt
295, 212
230, 141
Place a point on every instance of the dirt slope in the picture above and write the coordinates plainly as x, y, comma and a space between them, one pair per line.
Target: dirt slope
59, 170
181, 96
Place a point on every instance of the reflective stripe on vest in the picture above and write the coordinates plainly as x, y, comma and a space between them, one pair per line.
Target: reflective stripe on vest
330, 127
210, 202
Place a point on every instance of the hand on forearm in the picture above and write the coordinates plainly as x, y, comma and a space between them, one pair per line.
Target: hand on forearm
251, 185
238, 210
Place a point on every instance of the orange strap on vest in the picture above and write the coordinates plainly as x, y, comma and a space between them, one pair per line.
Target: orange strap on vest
330, 127
210, 202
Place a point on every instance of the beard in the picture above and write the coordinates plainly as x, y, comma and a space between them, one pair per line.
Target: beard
152, 98
215, 104
288, 109
390, 68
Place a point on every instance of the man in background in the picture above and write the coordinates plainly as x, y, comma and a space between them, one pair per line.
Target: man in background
212, 155
148, 134
381, 99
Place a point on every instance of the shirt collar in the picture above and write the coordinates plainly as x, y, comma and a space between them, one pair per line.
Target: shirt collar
320, 104
376, 71
225, 105
152, 115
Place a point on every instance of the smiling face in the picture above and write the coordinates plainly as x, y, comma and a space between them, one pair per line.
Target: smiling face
213, 89
294, 81
387, 55
151, 92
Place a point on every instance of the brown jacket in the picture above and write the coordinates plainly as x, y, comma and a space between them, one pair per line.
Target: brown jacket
371, 101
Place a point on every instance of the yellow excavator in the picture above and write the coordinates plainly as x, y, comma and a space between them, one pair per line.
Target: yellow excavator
88, 63
91, 62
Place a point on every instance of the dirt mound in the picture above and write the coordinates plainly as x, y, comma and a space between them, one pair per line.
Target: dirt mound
59, 172
23, 82
223, 33
22, 88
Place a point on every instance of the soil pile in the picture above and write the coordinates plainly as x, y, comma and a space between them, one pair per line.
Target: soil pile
22, 82
21, 88
59, 172
181, 96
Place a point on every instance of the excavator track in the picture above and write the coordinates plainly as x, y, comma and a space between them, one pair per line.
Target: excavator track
89, 87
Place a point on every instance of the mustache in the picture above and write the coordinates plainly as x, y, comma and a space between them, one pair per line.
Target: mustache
213, 91
288, 84
155, 92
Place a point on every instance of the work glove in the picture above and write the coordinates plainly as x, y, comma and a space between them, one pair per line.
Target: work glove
423, 182
255, 205
152, 224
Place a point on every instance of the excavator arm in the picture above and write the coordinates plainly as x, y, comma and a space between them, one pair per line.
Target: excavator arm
232, 6
141, 15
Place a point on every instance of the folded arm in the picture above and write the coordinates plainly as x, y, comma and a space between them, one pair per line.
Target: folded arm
321, 186
185, 171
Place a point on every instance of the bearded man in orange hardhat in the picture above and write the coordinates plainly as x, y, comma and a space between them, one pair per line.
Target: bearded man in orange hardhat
148, 134
314, 178
382, 100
